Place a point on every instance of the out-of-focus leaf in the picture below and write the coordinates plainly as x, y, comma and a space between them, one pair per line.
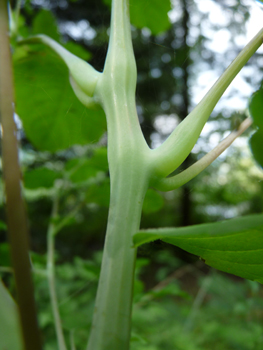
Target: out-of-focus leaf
153, 202
82, 169
234, 246
5, 255
77, 50
99, 194
10, 335
256, 112
151, 14
52, 116
256, 145
45, 23
100, 159
3, 226
40, 177
256, 108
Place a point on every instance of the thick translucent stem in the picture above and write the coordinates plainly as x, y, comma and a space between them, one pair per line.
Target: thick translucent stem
129, 165
112, 315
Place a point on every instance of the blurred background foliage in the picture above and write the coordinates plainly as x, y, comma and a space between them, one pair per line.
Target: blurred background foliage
179, 303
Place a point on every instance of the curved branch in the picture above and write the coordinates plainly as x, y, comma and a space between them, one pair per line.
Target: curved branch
179, 144
171, 183
83, 77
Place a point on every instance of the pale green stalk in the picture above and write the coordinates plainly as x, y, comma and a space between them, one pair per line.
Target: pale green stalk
52, 230
179, 144
173, 182
128, 156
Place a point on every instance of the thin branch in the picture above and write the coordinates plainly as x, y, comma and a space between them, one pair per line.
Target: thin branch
51, 275
177, 274
171, 183
85, 77
199, 299
15, 208
72, 341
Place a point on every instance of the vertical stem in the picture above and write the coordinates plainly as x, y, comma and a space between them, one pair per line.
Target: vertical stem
16, 214
129, 173
112, 316
51, 275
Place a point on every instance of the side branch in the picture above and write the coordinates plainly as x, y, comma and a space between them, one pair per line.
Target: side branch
171, 183
179, 144
83, 77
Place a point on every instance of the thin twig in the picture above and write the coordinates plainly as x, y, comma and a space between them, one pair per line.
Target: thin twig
51, 274
169, 279
199, 299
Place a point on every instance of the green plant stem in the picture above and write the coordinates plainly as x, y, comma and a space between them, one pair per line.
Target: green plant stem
112, 316
176, 181
16, 214
51, 275
179, 144
128, 156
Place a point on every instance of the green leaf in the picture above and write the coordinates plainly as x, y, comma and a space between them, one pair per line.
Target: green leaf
9, 325
5, 259
256, 108
52, 117
153, 202
78, 50
234, 246
256, 145
256, 112
3, 226
100, 159
152, 14
45, 23
99, 194
40, 177
83, 171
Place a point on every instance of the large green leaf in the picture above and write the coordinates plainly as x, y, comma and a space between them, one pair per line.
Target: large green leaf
52, 116
10, 336
234, 246
152, 14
